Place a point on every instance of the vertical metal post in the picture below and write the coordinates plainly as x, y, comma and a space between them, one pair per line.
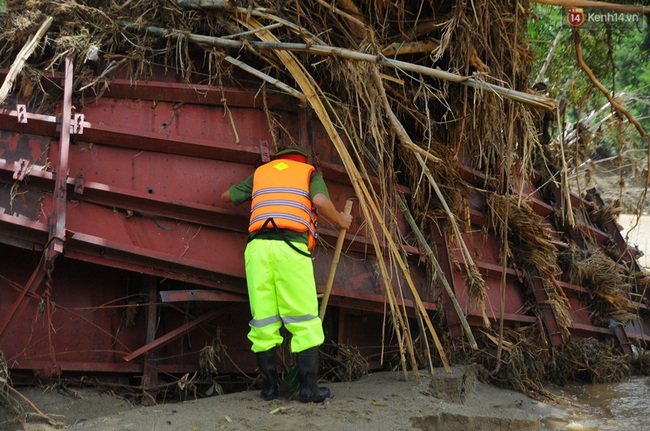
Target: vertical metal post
150, 372
60, 193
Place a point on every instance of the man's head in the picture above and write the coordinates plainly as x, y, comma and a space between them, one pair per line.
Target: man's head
297, 153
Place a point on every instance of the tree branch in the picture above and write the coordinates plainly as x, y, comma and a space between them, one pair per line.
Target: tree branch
645, 10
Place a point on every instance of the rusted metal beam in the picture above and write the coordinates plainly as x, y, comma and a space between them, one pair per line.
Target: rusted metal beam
172, 335
171, 144
194, 93
99, 367
110, 253
549, 319
22, 233
178, 92
191, 295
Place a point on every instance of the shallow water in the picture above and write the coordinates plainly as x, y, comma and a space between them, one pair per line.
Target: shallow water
608, 406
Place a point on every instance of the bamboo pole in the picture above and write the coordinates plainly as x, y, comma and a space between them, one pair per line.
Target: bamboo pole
527, 98
335, 261
463, 247
22, 57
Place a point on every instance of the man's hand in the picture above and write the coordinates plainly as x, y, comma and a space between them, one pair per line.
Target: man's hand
346, 221
326, 207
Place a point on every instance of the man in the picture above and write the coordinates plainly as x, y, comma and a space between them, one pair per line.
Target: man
286, 195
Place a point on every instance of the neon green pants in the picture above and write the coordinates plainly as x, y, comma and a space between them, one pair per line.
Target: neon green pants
282, 290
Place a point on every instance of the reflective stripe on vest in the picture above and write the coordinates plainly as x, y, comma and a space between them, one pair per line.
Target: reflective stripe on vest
281, 192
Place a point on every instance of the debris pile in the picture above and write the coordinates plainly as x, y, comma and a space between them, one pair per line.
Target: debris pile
407, 92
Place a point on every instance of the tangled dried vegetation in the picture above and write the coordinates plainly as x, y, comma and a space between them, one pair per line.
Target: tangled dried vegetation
373, 71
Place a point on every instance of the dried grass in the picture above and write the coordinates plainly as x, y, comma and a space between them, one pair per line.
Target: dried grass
609, 286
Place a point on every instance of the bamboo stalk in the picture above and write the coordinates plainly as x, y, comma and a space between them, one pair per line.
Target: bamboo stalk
527, 98
406, 140
22, 57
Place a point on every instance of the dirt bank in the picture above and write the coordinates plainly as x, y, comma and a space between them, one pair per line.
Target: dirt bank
379, 401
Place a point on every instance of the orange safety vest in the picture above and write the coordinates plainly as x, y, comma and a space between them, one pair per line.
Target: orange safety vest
281, 192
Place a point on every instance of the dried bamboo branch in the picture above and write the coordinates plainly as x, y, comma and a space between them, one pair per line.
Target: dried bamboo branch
263, 76
22, 57
527, 98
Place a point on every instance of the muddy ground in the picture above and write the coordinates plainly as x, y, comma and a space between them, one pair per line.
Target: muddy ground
379, 401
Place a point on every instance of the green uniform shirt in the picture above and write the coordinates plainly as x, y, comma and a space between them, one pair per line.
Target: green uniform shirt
242, 192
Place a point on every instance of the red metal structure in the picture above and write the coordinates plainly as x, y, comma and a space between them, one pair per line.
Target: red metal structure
117, 255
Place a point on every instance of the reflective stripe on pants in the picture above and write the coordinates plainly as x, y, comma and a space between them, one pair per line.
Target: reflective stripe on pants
281, 289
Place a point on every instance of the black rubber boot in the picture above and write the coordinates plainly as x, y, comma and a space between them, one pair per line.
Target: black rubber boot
267, 363
308, 376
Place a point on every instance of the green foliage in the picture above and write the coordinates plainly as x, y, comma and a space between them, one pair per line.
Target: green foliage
3, 6
616, 47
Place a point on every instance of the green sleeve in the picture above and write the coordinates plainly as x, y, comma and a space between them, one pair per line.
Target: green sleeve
242, 192
317, 185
